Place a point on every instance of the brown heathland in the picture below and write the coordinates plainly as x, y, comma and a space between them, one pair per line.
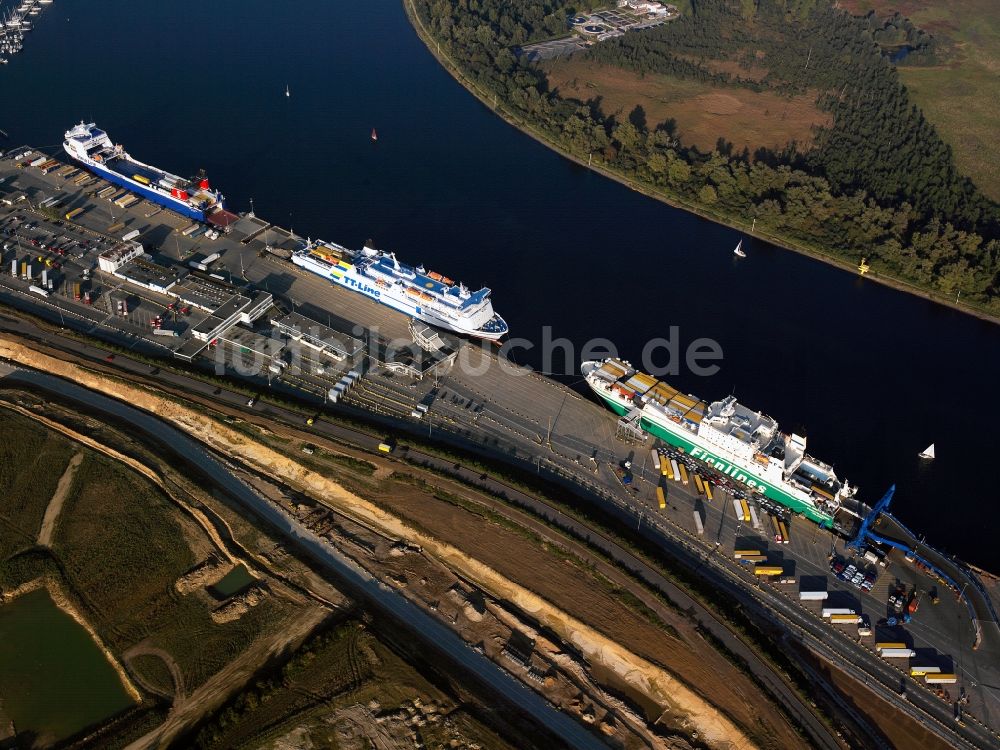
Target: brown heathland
566, 583
702, 113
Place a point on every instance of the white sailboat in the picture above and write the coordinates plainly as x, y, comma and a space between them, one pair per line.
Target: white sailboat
287, 92
739, 250
928, 452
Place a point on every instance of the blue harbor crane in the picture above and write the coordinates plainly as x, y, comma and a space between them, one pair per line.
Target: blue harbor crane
864, 531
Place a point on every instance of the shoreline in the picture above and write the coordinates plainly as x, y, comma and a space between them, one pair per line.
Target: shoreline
529, 130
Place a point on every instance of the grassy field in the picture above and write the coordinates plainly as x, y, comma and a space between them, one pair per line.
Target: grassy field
960, 95
702, 113
31, 461
123, 544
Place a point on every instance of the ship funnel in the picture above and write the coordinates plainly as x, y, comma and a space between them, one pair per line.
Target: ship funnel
204, 183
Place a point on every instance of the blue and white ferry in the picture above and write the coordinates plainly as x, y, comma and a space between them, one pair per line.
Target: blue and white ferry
92, 147
415, 291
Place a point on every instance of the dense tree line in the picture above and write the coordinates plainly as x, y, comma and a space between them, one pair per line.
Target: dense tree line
879, 182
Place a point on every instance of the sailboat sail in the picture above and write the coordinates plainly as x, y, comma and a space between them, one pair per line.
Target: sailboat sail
739, 250
928, 452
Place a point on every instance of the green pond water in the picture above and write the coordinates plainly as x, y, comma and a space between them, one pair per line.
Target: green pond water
234, 581
54, 681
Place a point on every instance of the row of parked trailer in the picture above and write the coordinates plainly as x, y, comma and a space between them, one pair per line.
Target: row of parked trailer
670, 468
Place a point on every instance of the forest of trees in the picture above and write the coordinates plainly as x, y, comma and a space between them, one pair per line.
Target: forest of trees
879, 182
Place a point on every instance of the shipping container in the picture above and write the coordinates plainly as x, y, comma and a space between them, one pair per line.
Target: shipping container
898, 653
675, 470
845, 619
141, 179
942, 678
130, 235
745, 552
813, 596
744, 510
768, 570
737, 509
921, 671
884, 644
784, 532
698, 523
754, 519
186, 231
385, 447
105, 192
708, 490
39, 161
654, 454
38, 290
665, 469
754, 559
165, 331
684, 474
73, 214
698, 484
127, 201
776, 529
829, 611
661, 497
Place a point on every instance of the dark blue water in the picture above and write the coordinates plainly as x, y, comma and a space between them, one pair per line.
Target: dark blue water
870, 375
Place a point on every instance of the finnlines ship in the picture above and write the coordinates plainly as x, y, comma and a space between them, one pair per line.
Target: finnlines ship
422, 294
92, 147
744, 445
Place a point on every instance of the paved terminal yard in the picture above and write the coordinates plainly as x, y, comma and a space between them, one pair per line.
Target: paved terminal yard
246, 310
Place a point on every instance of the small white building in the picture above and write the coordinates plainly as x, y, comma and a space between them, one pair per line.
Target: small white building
111, 260
644, 6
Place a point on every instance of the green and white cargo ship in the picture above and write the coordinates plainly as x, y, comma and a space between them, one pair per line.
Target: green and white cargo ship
742, 444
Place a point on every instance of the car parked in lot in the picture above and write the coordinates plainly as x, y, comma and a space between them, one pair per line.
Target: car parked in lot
857, 579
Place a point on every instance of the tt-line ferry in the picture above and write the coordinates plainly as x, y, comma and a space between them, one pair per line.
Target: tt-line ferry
421, 294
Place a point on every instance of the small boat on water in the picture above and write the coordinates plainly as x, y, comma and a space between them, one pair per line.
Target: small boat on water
374, 135
287, 92
928, 452
738, 251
